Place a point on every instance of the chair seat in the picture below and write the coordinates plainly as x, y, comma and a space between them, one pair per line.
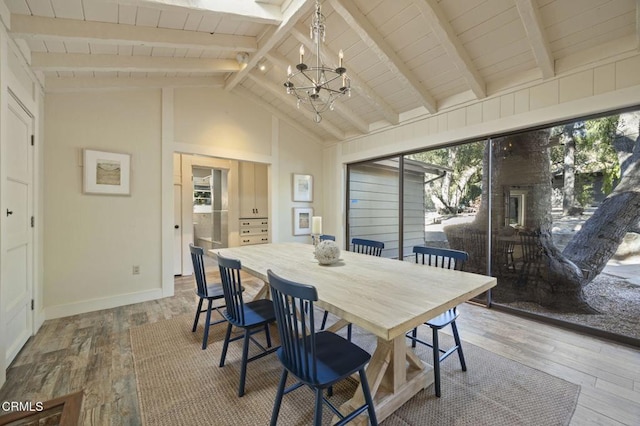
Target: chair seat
336, 358
256, 313
214, 291
443, 319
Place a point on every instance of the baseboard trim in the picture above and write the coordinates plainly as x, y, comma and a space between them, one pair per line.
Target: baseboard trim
59, 311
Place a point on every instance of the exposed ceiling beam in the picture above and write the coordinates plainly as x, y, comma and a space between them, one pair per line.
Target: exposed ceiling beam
535, 33
372, 38
41, 28
246, 10
292, 14
357, 84
56, 84
85, 62
277, 91
450, 42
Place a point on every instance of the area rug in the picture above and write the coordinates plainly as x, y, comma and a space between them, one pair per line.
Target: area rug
180, 384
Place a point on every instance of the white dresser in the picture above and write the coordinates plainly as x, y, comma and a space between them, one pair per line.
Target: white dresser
254, 231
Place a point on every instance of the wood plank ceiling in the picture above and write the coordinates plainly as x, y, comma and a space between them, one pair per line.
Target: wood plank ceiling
405, 58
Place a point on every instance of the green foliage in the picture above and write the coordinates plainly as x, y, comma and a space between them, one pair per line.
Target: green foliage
584, 191
594, 153
460, 186
595, 150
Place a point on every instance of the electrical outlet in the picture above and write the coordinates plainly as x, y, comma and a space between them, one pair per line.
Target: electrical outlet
136, 269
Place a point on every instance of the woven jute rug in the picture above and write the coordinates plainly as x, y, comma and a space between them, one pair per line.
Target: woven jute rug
180, 384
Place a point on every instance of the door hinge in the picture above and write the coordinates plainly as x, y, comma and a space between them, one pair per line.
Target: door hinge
32, 304
33, 221
33, 138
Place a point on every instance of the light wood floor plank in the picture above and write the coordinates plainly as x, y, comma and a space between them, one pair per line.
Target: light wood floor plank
628, 394
584, 416
572, 360
610, 405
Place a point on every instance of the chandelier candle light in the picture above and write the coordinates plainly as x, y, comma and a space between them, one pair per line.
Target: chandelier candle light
317, 87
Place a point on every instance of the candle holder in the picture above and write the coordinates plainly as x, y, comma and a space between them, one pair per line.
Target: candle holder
315, 239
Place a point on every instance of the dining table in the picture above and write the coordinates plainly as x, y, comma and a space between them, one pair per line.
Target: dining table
385, 297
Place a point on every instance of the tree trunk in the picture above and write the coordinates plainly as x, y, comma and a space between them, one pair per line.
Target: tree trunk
522, 163
626, 142
445, 193
568, 199
601, 235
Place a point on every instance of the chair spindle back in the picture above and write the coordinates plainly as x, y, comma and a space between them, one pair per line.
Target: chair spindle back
197, 254
370, 247
441, 257
293, 305
232, 287
532, 249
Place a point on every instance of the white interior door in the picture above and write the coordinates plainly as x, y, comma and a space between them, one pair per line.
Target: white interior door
17, 240
177, 229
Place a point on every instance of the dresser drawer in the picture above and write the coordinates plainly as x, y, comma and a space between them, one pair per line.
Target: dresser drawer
253, 239
254, 222
258, 230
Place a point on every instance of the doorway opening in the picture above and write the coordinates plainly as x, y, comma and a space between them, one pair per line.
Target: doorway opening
210, 207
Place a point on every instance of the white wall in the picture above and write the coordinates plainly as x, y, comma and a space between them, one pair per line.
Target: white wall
91, 242
222, 124
298, 155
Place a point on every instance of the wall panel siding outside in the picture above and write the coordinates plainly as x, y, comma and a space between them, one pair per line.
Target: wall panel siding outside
373, 207
413, 232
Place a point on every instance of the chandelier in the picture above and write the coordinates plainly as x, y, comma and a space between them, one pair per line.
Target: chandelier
317, 87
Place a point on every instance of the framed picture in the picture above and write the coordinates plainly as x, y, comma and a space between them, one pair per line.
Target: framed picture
106, 173
302, 187
302, 220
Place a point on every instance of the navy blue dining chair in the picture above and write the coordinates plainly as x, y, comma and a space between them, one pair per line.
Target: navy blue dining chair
371, 247
325, 237
448, 259
316, 359
205, 291
253, 317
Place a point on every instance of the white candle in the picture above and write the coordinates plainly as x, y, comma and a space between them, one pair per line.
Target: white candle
316, 225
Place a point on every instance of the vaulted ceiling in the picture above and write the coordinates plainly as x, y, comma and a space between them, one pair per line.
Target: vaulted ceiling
405, 58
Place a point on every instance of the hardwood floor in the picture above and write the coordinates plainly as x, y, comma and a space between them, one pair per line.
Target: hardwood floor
92, 352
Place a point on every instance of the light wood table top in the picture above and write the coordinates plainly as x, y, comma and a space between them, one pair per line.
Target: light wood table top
384, 296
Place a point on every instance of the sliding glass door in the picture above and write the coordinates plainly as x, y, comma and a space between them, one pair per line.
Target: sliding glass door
552, 213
